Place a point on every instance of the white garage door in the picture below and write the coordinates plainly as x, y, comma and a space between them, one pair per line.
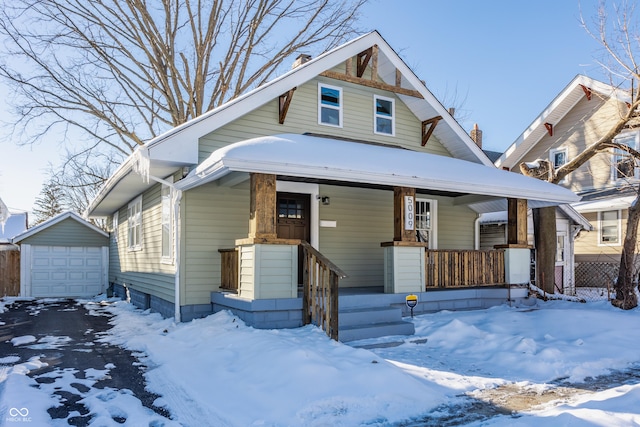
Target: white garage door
60, 271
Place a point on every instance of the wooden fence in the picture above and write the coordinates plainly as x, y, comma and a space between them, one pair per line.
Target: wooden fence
9, 273
463, 268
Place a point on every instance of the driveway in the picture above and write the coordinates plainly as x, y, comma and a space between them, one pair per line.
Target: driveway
82, 379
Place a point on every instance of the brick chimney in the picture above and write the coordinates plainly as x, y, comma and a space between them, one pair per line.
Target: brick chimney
476, 135
301, 59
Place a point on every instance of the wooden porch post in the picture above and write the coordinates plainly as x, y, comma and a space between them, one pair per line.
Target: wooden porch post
262, 217
404, 216
517, 222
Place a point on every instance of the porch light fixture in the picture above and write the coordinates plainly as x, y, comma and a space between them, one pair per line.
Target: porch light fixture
326, 200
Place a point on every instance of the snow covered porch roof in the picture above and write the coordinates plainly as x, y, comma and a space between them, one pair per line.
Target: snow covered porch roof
484, 188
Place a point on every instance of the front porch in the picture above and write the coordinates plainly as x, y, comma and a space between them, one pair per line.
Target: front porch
448, 280
367, 312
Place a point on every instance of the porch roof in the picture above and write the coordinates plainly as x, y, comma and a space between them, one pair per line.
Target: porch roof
321, 158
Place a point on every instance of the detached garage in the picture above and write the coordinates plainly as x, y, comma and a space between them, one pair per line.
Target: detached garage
65, 256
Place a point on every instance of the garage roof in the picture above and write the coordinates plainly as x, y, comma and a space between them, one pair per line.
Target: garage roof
56, 220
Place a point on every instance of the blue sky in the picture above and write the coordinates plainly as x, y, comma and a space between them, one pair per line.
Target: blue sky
499, 62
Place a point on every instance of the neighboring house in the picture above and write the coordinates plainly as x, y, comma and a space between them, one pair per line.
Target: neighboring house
11, 224
63, 257
569, 224
348, 152
15, 224
582, 113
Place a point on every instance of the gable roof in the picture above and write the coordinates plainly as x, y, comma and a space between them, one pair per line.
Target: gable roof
553, 113
179, 146
55, 220
313, 157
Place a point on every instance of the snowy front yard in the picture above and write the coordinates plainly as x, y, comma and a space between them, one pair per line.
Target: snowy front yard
496, 367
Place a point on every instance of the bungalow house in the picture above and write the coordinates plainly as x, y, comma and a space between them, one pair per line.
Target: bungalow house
327, 195
578, 116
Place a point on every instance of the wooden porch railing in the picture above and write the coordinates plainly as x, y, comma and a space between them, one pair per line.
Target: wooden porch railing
229, 269
320, 295
463, 268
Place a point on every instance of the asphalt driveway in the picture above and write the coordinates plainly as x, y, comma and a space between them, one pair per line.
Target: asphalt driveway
63, 336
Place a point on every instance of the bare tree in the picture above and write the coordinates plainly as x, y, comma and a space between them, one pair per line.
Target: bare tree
115, 73
615, 30
51, 202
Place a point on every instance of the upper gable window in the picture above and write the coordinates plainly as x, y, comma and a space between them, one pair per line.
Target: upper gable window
329, 105
384, 115
558, 157
623, 164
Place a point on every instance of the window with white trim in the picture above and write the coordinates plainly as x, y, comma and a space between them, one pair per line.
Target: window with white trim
329, 105
134, 221
426, 221
384, 115
609, 227
114, 226
167, 223
558, 157
623, 165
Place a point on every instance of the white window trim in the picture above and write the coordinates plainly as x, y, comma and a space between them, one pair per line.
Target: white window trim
321, 105
433, 236
164, 258
636, 174
552, 154
138, 245
619, 242
392, 118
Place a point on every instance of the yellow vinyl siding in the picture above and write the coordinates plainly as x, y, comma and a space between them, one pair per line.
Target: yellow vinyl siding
587, 247
214, 217
142, 270
364, 219
358, 119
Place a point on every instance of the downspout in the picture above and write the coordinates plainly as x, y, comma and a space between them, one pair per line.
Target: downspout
476, 230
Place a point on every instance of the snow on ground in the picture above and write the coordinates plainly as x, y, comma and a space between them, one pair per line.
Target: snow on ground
460, 368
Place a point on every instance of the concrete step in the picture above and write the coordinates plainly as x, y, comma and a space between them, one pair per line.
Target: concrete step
375, 330
368, 315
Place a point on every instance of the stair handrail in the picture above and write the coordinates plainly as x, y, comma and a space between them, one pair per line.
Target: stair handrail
320, 294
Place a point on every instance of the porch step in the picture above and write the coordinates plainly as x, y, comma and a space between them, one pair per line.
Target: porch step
372, 322
375, 330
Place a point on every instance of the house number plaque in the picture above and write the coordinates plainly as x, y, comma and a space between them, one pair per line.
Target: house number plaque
409, 213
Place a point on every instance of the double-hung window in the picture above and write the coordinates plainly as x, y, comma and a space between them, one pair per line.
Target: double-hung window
624, 164
384, 115
329, 105
426, 215
167, 224
609, 228
134, 221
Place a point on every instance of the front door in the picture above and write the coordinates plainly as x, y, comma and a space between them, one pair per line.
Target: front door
294, 220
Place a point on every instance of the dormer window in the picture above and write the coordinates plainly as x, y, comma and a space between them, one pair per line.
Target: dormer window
384, 115
623, 164
329, 105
